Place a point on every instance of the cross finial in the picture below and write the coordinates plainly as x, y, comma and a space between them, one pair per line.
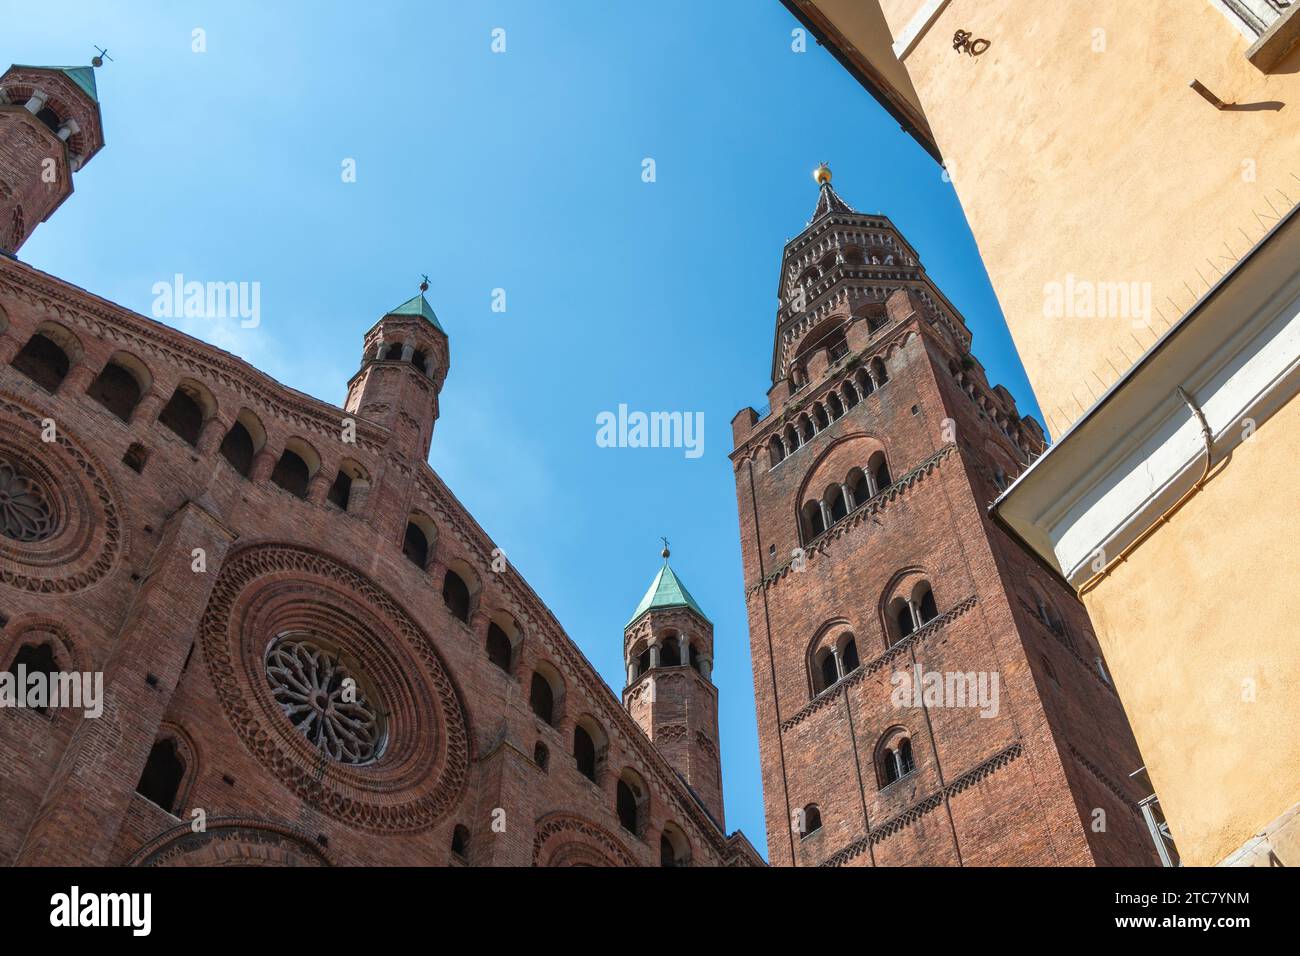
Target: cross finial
665, 551
424, 284
99, 58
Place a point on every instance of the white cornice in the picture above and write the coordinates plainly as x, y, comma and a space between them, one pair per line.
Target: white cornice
1140, 448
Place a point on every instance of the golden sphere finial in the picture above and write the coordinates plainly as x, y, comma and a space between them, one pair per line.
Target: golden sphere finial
822, 174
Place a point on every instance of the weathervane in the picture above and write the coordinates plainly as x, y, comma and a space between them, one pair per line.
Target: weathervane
665, 551
424, 284
98, 60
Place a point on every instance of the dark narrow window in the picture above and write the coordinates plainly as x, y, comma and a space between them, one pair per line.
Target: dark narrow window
49, 118
861, 491
418, 359
883, 480
905, 623
43, 362
184, 417
291, 474
829, 674
162, 775
460, 841
905, 763
116, 389
35, 658
415, 545
499, 649
669, 655
626, 803
838, 508
643, 662
455, 593
666, 855
890, 761
341, 490
850, 395
584, 753
816, 521
135, 457
849, 656
541, 698
812, 819
394, 353
237, 449
929, 611
695, 657
541, 756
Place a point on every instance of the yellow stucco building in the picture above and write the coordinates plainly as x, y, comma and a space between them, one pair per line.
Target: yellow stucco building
1130, 172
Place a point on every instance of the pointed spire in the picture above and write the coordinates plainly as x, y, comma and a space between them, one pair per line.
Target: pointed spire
418, 305
828, 200
666, 590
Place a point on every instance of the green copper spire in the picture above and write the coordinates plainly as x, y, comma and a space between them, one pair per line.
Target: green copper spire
418, 306
666, 590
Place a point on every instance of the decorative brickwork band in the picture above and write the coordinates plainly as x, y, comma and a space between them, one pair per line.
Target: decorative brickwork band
922, 807
888, 657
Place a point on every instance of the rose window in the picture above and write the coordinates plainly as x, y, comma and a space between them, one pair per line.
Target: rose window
25, 513
324, 700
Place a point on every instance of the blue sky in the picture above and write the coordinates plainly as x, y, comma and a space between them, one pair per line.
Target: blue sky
520, 171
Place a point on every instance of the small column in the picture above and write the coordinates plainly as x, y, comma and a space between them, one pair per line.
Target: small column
263, 464
826, 514
37, 102
147, 409
319, 486
654, 655
848, 498
631, 672
214, 430
706, 668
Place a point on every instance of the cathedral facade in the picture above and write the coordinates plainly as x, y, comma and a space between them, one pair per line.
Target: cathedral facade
928, 693
311, 653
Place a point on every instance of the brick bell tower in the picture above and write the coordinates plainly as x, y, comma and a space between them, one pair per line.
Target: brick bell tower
668, 650
50, 127
927, 693
404, 364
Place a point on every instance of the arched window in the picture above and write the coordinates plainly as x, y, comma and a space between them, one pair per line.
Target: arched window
878, 372
673, 848
183, 415
879, 471
836, 348
455, 594
806, 428
819, 416
394, 352
694, 657
35, 658
541, 697
499, 649
814, 520
849, 656
291, 473
460, 841
834, 498
584, 752
163, 772
776, 450
542, 756
415, 546
865, 385
812, 820
670, 654
341, 490
859, 487
631, 801
894, 758
926, 608
902, 614
827, 669
116, 389
237, 448
850, 395
791, 439
833, 406
43, 361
